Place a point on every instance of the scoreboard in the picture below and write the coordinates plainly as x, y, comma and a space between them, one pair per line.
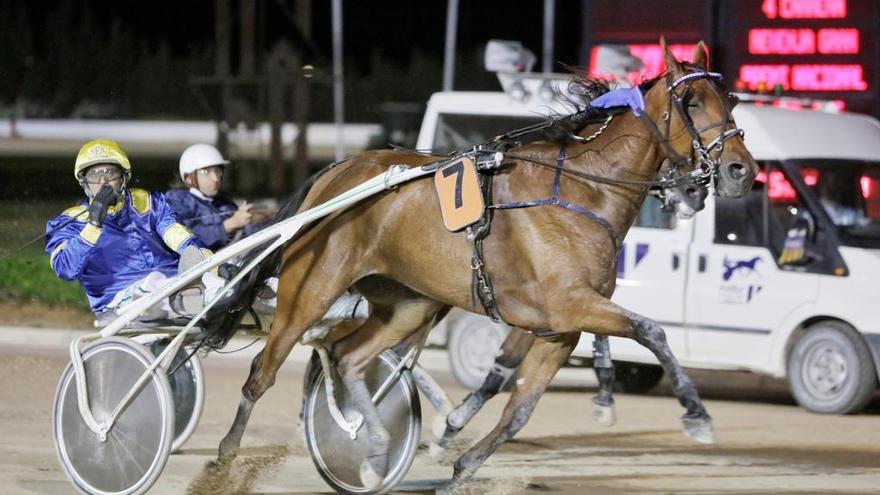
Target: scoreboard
820, 48
825, 49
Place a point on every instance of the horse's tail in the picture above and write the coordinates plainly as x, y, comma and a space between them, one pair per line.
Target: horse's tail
221, 321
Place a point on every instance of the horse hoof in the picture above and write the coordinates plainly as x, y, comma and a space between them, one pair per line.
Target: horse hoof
448, 488
435, 451
370, 479
604, 415
438, 426
699, 429
227, 452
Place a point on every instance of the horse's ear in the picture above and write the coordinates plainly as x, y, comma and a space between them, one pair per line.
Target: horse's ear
701, 56
671, 64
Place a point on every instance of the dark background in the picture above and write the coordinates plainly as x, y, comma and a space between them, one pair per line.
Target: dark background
111, 59
101, 58
143, 60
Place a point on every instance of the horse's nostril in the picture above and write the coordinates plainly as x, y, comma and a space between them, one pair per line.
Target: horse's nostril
737, 170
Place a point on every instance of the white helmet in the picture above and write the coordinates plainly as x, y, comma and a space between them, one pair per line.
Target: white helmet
199, 156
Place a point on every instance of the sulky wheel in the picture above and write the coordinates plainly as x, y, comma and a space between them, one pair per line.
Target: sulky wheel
474, 343
135, 450
336, 455
187, 380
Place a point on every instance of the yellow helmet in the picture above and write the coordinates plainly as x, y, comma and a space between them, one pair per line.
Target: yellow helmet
100, 151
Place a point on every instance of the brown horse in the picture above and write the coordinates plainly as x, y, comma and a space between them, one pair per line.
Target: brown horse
553, 267
685, 200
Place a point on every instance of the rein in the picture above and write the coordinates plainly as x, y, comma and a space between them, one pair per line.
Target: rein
694, 177
702, 174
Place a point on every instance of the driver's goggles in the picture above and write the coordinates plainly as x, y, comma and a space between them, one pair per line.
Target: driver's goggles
99, 174
216, 171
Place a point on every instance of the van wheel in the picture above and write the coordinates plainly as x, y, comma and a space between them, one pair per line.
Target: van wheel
631, 378
473, 345
830, 370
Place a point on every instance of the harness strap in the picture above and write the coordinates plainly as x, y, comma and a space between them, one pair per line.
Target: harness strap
673, 155
555, 200
481, 284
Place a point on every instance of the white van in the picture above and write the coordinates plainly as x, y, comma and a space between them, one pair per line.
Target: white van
723, 285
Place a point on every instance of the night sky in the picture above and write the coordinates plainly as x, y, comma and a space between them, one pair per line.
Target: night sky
395, 28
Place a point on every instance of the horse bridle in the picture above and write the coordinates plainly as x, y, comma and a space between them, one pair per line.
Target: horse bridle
704, 171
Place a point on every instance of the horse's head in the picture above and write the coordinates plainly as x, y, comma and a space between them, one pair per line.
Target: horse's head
685, 199
690, 117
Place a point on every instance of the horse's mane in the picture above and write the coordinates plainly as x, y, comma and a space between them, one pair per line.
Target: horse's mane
583, 89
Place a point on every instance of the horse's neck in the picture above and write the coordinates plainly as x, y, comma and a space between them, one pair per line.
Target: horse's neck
626, 152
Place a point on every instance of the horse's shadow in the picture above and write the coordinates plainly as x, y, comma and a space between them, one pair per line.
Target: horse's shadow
744, 386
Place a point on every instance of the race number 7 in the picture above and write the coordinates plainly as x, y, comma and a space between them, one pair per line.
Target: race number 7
458, 170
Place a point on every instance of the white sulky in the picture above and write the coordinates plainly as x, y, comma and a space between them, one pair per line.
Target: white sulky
277, 235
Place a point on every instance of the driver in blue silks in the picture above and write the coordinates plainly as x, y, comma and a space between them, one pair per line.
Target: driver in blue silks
121, 243
217, 221
214, 218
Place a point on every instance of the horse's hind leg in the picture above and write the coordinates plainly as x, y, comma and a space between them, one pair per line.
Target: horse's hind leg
386, 326
541, 363
513, 351
603, 402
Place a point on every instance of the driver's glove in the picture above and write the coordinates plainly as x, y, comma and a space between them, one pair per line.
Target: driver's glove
100, 203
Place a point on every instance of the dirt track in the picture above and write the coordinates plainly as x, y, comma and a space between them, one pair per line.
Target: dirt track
763, 447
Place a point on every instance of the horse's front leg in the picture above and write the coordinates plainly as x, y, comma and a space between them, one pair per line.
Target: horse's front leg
697, 423
513, 350
603, 402
264, 368
298, 309
603, 317
538, 368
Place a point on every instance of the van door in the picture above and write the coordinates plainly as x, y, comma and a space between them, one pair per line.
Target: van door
651, 274
739, 293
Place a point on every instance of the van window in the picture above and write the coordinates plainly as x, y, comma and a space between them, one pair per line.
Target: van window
787, 209
462, 132
776, 215
763, 216
740, 221
653, 216
848, 192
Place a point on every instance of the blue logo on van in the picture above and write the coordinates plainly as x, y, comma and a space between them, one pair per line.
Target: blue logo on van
642, 249
732, 266
741, 280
